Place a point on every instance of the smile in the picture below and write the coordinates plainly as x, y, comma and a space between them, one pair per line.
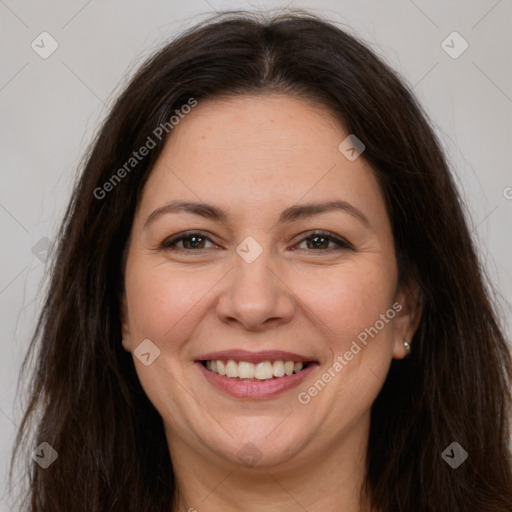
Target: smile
244, 370
250, 375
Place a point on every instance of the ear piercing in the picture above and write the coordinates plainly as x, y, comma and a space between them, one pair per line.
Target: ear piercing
407, 346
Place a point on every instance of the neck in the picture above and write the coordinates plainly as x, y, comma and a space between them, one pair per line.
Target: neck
332, 480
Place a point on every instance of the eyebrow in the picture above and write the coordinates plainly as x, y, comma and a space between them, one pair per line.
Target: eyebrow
299, 211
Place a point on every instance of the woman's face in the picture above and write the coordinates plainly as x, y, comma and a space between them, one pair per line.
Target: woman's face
259, 241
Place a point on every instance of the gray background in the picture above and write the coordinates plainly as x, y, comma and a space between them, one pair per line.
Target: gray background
51, 107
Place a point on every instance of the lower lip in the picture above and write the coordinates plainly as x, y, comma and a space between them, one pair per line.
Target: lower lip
255, 389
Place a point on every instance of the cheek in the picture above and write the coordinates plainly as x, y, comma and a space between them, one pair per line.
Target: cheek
164, 303
165, 306
349, 302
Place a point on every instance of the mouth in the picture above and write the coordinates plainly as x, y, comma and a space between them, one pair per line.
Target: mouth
250, 372
260, 375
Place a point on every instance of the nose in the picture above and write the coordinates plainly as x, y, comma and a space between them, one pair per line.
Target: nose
255, 296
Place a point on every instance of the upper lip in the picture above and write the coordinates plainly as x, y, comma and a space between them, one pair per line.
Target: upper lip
254, 357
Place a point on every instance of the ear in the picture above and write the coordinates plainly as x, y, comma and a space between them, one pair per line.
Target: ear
125, 326
409, 308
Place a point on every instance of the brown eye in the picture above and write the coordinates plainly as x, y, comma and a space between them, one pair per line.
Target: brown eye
318, 242
193, 242
325, 242
189, 242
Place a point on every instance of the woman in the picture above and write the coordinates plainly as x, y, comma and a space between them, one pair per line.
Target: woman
266, 296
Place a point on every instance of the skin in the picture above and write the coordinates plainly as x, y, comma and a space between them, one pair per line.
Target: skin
254, 156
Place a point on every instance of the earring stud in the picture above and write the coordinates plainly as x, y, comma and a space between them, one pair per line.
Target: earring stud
407, 346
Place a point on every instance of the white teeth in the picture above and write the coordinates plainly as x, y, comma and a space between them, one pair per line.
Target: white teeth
245, 370
262, 371
278, 368
231, 369
288, 367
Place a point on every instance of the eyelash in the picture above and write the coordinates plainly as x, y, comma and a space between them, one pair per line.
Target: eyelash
170, 243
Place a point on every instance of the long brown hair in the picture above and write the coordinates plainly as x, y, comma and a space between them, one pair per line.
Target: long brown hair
85, 397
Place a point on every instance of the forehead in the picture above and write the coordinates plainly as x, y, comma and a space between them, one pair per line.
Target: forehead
254, 152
